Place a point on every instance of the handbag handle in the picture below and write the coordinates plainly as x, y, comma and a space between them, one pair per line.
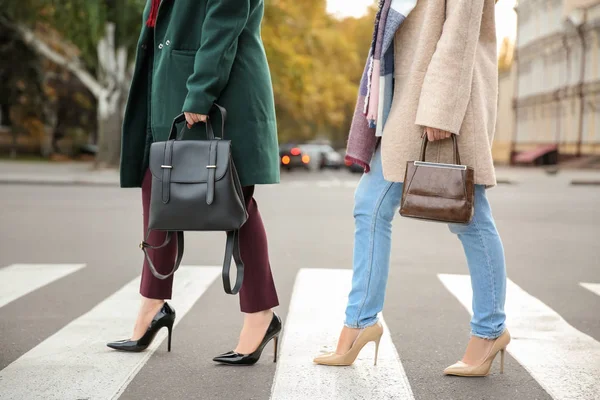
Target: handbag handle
454, 143
223, 112
209, 130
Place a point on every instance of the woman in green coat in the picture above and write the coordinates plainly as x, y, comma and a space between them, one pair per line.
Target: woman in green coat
192, 54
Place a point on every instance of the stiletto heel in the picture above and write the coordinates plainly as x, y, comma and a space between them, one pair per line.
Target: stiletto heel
165, 318
233, 358
370, 334
170, 328
376, 350
483, 369
276, 345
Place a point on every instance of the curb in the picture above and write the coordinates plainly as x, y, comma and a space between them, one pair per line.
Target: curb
585, 183
46, 182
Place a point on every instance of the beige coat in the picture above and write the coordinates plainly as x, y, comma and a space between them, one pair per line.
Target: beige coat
446, 77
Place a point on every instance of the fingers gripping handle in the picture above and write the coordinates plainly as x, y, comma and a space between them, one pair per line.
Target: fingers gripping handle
209, 130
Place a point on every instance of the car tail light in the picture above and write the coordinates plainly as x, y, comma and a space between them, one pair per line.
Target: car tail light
348, 163
285, 160
295, 151
305, 159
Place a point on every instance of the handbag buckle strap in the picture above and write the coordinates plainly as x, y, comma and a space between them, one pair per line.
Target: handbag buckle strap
212, 170
166, 168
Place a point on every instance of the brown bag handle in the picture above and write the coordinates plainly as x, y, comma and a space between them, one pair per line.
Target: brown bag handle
454, 142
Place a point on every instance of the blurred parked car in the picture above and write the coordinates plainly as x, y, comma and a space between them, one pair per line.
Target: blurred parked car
323, 156
292, 157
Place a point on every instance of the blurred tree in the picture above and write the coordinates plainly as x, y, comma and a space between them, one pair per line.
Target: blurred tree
91, 39
21, 88
316, 59
316, 62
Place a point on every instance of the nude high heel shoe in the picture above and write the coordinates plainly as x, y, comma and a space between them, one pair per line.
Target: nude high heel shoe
483, 369
370, 334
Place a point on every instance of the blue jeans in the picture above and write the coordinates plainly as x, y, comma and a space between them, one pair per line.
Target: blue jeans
376, 204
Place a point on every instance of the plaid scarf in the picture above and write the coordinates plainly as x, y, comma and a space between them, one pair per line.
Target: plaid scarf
377, 83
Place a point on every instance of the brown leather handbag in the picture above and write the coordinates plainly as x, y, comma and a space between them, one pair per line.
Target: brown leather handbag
438, 192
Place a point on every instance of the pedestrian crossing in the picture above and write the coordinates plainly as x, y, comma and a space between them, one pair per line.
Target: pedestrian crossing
74, 363
592, 287
18, 280
543, 342
313, 324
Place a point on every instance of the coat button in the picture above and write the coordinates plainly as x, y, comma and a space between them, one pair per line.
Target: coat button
168, 42
160, 46
144, 46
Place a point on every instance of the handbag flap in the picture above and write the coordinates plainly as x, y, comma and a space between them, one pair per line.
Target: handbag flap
190, 160
436, 180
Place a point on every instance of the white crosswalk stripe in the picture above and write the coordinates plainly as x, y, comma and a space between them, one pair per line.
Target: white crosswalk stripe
592, 287
563, 360
17, 280
313, 323
74, 363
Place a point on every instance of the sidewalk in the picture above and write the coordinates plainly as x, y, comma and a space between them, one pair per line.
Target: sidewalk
82, 173
56, 173
540, 175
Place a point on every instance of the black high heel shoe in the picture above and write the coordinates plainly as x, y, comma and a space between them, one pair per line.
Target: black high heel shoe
233, 358
165, 318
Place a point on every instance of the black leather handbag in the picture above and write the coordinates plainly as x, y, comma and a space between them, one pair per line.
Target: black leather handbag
195, 187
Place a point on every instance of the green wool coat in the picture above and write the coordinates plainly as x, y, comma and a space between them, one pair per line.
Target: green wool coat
201, 52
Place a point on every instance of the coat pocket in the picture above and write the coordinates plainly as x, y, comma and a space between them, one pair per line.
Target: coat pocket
184, 52
170, 89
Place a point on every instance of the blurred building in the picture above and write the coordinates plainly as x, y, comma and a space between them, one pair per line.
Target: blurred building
503, 139
551, 96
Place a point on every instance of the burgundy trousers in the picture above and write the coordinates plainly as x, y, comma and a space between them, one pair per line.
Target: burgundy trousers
258, 291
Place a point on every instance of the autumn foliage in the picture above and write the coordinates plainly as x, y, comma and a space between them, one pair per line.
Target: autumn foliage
316, 60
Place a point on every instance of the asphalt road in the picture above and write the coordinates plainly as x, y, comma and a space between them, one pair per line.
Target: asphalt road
52, 335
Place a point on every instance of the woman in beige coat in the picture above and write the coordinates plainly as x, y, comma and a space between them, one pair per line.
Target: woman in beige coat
445, 82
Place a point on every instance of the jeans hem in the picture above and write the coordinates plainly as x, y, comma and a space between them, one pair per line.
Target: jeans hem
359, 326
488, 337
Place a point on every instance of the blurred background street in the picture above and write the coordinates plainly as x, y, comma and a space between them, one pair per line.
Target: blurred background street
64, 222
